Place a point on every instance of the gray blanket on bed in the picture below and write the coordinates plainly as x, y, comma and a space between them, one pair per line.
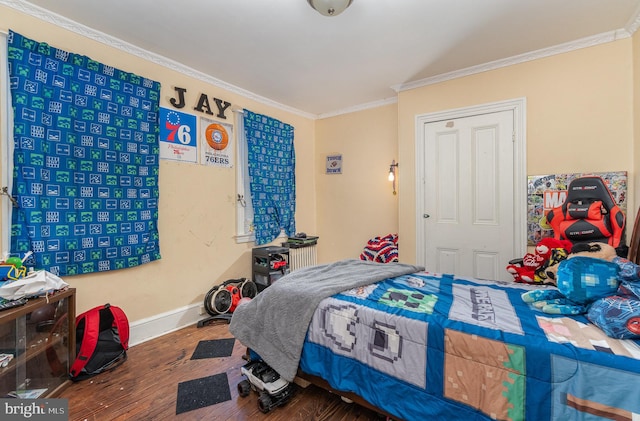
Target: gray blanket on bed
274, 324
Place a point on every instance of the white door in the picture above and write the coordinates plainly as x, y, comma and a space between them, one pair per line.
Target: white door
469, 195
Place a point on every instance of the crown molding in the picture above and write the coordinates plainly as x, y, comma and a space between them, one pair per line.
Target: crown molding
634, 22
632, 26
360, 107
106, 39
522, 58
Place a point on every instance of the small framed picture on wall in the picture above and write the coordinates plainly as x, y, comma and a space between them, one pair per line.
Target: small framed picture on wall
334, 164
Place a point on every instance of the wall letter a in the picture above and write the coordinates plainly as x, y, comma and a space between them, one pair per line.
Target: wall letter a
203, 102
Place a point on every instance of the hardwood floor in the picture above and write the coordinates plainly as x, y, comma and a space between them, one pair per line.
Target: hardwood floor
145, 387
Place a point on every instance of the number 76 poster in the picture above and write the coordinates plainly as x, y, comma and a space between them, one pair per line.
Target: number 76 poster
178, 136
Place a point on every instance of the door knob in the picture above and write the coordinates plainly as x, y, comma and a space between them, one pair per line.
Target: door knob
426, 215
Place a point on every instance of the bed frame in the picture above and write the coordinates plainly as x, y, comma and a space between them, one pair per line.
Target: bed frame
304, 380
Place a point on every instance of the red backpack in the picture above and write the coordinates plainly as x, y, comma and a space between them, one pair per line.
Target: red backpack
102, 341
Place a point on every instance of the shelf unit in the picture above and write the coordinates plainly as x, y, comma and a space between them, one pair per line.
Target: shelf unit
41, 337
268, 265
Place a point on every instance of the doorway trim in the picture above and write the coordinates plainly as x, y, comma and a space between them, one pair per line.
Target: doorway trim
519, 108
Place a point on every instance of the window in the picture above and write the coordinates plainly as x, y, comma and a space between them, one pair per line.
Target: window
266, 158
244, 205
6, 146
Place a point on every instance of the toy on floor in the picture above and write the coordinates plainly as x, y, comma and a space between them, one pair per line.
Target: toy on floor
531, 268
272, 390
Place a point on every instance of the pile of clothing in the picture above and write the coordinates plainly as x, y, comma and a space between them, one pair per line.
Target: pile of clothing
381, 249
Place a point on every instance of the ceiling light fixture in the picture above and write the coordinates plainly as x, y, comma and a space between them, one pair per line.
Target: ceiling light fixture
330, 7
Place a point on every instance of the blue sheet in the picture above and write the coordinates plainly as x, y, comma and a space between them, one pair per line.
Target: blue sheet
429, 346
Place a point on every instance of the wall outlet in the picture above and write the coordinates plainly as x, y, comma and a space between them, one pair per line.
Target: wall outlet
202, 311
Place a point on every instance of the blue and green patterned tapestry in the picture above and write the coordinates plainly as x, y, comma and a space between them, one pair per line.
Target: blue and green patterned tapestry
85, 161
272, 170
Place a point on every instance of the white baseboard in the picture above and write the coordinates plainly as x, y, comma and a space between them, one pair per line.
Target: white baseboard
152, 327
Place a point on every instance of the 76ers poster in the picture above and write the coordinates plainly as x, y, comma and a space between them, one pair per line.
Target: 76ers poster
178, 136
217, 143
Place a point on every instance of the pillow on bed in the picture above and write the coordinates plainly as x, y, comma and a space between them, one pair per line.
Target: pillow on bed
584, 279
618, 316
581, 281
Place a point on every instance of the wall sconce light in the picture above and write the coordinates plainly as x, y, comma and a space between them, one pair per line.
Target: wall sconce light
392, 174
330, 7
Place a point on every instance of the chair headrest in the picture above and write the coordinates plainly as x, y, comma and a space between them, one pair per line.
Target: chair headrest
589, 189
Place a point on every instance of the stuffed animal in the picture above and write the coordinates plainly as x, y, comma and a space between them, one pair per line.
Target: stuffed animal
597, 250
524, 270
581, 281
595, 281
543, 273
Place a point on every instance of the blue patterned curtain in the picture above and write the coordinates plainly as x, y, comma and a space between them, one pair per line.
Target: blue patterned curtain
85, 161
272, 165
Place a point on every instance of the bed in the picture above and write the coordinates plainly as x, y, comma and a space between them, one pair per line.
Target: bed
419, 345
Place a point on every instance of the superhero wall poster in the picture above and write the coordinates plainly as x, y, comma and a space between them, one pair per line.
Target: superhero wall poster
545, 192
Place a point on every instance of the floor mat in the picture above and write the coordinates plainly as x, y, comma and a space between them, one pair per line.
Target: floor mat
198, 393
214, 349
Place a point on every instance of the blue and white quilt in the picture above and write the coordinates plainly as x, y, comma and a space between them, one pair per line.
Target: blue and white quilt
431, 346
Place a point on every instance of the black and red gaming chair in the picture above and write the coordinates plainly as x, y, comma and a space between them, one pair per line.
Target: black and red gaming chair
589, 214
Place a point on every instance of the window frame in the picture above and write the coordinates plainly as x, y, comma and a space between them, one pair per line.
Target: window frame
6, 147
244, 206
